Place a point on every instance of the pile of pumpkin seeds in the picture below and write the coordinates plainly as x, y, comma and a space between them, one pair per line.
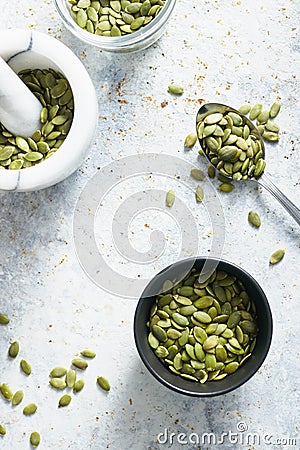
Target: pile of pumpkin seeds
203, 331
52, 89
114, 17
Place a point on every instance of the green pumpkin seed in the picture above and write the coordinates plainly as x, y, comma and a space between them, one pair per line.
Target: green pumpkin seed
255, 111
170, 198
65, 400
13, 349
2, 430
88, 353
245, 109
270, 136
277, 256
202, 317
199, 194
4, 320
226, 187
57, 383
25, 367
263, 117
274, 110
174, 88
6, 391
190, 140
35, 439
211, 171
254, 219
213, 118
17, 398
29, 409
80, 363
58, 371
103, 383
197, 174
78, 386
159, 333
180, 319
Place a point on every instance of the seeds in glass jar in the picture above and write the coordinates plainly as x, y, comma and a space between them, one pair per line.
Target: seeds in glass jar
277, 256
215, 331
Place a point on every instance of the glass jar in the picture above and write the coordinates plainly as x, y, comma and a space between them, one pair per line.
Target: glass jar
135, 41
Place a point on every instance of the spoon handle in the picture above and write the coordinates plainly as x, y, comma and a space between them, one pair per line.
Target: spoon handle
265, 181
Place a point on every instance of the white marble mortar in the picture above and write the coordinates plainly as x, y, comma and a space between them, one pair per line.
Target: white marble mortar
23, 49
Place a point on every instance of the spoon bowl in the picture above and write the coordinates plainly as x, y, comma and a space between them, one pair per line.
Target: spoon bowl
261, 178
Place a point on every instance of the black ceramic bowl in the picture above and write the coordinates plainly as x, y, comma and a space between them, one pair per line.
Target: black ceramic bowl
209, 388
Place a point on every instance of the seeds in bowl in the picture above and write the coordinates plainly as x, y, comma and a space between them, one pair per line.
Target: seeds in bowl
114, 17
52, 89
204, 332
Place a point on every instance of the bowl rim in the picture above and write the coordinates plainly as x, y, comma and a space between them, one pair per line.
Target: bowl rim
173, 386
115, 42
69, 156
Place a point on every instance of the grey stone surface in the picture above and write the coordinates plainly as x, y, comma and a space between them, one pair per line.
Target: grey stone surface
230, 52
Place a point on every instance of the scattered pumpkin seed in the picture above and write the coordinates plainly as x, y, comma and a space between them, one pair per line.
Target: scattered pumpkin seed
13, 349
254, 219
190, 140
88, 353
199, 194
175, 89
277, 256
57, 383
80, 363
4, 320
6, 391
78, 386
58, 371
197, 174
170, 198
17, 398
70, 378
35, 439
29, 409
25, 367
2, 429
65, 400
103, 383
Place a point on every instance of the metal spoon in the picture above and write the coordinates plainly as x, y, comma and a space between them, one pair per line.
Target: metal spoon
263, 179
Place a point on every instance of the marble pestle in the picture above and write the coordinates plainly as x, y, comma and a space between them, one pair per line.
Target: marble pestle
19, 108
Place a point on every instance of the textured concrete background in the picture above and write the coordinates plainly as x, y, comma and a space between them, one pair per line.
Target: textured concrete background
230, 52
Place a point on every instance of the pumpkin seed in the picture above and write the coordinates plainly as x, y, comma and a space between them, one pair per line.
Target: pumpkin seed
190, 140
25, 367
88, 353
17, 398
58, 371
199, 194
35, 439
6, 391
2, 430
57, 383
13, 349
245, 109
103, 383
255, 111
78, 386
226, 187
175, 89
197, 174
29, 409
274, 110
4, 320
80, 363
170, 198
254, 219
277, 256
65, 400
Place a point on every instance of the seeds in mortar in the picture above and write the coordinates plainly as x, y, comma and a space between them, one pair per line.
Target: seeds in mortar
254, 219
17, 398
170, 198
114, 17
175, 89
35, 439
65, 400
13, 349
234, 149
277, 256
103, 383
4, 320
25, 367
55, 94
190, 140
30, 409
209, 328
